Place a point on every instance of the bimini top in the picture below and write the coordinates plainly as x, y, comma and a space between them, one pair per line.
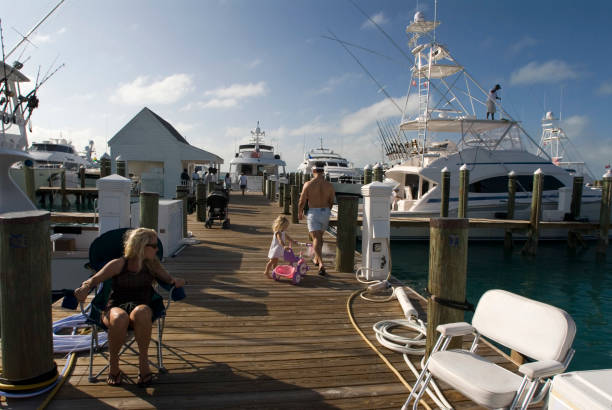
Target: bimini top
12, 74
461, 125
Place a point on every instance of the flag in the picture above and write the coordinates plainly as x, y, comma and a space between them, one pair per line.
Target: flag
607, 166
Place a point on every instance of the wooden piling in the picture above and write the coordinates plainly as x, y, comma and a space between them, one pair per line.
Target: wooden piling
377, 173
28, 170
367, 175
25, 297
576, 197
82, 176
281, 195
574, 237
464, 187
149, 210
448, 248
264, 185
510, 209
121, 168
444, 192
604, 213
347, 232
272, 191
533, 235
65, 203
105, 167
182, 192
201, 202
287, 200
294, 204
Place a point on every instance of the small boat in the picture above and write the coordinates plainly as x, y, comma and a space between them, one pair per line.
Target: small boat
338, 170
255, 159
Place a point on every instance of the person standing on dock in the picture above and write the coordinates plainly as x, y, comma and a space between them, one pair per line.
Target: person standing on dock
319, 194
491, 101
185, 177
243, 182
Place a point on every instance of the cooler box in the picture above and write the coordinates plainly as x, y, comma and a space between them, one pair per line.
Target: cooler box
584, 390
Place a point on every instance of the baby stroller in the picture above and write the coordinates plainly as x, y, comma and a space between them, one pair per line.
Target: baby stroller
297, 268
216, 204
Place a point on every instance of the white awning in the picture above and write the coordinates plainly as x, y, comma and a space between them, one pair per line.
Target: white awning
437, 70
456, 125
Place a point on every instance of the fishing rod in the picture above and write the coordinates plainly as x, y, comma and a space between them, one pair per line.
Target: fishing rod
381, 30
360, 47
26, 37
381, 88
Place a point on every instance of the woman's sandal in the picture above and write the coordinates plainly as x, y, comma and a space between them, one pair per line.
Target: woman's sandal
144, 381
114, 379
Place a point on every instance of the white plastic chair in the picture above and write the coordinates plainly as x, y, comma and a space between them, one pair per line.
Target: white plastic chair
539, 331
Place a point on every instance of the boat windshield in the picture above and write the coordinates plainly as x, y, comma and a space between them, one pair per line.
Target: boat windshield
51, 148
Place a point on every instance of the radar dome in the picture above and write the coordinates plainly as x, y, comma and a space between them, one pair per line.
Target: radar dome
419, 17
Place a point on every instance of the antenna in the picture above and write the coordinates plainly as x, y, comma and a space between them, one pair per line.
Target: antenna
561, 105
25, 38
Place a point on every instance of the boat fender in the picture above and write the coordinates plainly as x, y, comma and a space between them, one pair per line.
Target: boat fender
407, 307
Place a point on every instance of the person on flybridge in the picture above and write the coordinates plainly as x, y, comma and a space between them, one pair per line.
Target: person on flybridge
491, 101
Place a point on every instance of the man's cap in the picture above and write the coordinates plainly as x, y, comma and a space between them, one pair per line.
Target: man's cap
498, 86
319, 166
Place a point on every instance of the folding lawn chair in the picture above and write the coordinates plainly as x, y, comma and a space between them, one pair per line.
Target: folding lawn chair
539, 331
103, 249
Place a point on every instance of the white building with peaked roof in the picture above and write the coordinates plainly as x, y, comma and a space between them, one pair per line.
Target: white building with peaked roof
156, 153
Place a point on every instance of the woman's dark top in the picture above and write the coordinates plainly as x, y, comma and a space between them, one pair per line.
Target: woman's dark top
130, 289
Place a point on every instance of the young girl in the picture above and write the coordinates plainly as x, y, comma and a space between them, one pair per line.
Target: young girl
280, 241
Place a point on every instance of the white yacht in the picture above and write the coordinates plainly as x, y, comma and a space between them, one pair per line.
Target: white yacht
51, 158
338, 170
445, 132
256, 158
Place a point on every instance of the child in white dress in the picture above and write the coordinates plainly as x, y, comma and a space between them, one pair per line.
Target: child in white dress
280, 241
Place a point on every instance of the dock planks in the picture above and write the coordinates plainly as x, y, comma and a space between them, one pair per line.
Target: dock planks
241, 340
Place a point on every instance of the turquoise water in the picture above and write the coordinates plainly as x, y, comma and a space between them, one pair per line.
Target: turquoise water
579, 282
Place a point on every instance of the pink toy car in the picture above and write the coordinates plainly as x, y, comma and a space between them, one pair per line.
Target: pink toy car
295, 270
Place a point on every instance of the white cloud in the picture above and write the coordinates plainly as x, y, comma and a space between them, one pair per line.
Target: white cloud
219, 103
605, 88
183, 127
40, 38
378, 18
360, 120
239, 90
231, 96
575, 126
333, 82
142, 91
254, 63
523, 43
552, 71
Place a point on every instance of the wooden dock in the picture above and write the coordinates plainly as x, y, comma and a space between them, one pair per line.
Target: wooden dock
241, 340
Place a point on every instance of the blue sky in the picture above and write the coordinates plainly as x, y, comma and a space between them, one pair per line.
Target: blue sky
213, 68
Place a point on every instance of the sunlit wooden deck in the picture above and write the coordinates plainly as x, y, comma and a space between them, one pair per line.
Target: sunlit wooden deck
241, 340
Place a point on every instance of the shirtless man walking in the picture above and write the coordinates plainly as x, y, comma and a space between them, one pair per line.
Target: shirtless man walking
320, 196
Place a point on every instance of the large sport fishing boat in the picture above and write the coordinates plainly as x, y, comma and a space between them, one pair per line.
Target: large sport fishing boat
338, 170
255, 159
445, 132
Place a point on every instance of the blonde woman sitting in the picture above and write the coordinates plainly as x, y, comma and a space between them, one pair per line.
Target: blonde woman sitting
129, 304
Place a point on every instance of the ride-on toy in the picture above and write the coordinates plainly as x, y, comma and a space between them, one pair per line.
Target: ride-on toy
296, 269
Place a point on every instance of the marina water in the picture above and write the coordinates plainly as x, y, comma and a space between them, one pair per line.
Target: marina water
578, 282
